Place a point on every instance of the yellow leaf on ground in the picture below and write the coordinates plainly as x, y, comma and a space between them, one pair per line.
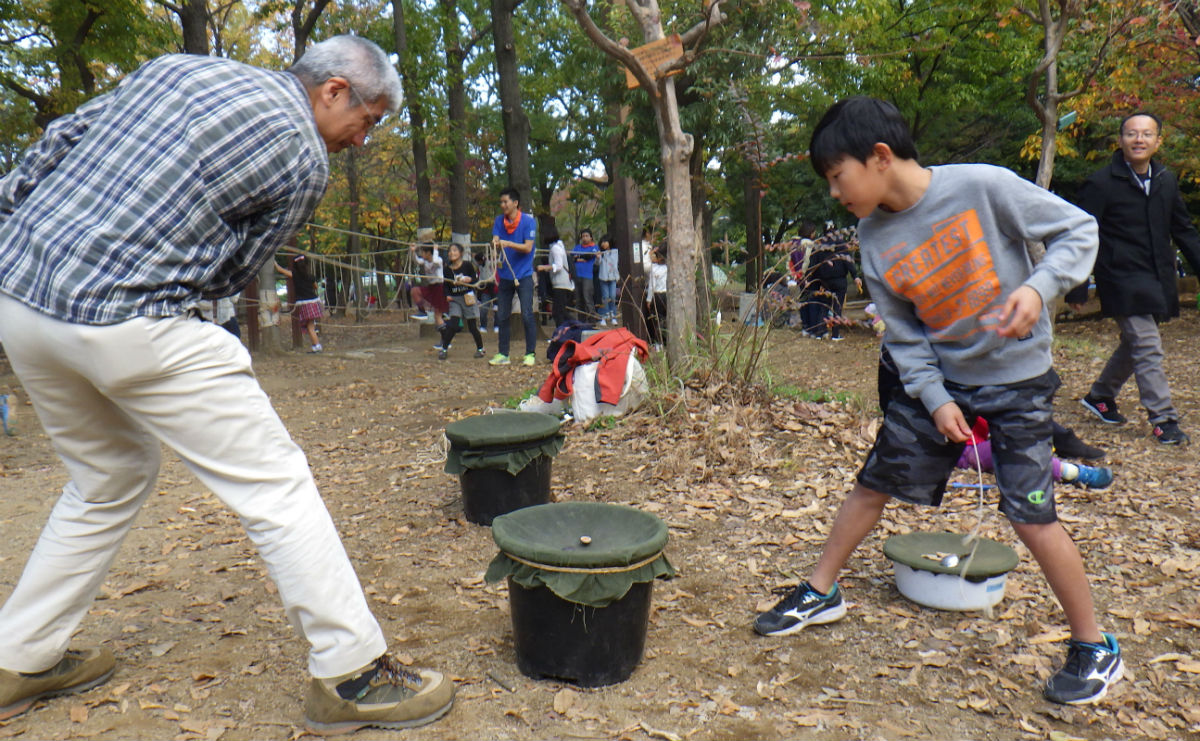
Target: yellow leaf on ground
656, 733
1051, 636
564, 699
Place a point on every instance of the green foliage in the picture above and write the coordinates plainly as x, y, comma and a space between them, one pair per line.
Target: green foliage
607, 422
56, 54
513, 402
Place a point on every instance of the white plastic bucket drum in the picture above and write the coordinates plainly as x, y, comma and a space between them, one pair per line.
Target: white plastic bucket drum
939, 570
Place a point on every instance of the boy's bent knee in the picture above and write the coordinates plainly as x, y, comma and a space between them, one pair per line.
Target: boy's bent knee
1036, 531
870, 496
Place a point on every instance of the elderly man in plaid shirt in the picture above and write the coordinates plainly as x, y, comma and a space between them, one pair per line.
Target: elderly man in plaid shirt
170, 190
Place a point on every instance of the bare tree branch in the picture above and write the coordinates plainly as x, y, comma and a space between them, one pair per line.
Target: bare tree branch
696, 33
39, 100
610, 47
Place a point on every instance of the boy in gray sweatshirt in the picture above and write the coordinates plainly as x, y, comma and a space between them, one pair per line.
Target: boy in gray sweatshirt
943, 252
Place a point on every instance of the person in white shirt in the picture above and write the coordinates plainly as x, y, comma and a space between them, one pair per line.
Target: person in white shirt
562, 288
432, 293
656, 297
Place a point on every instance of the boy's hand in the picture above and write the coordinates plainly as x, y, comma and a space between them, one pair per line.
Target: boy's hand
951, 423
1021, 312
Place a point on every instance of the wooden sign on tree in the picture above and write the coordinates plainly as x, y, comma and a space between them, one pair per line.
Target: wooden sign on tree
655, 54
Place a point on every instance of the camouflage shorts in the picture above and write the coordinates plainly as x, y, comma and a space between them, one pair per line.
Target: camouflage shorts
912, 461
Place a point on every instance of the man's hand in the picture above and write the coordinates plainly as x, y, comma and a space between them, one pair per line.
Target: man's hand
495, 241
543, 268
951, 423
1021, 312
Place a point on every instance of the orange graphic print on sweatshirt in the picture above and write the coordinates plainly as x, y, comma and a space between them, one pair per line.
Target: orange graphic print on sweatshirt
948, 278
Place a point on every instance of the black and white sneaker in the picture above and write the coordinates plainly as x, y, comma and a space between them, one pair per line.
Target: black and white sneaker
1168, 433
1105, 409
1089, 671
801, 606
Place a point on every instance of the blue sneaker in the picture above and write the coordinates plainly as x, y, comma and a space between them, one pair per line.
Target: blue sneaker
4, 414
801, 606
1094, 477
1090, 669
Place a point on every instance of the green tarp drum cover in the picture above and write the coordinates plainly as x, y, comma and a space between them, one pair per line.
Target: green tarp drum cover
506, 441
923, 551
588, 553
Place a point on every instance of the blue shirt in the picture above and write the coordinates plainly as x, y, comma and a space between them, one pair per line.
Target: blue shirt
173, 188
583, 268
514, 264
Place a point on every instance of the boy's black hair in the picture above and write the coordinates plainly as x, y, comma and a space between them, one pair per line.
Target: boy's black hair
853, 126
513, 194
1135, 114
587, 232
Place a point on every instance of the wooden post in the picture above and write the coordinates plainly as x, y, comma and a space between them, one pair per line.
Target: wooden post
253, 334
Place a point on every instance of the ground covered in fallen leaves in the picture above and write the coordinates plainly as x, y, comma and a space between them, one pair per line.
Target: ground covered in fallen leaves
748, 482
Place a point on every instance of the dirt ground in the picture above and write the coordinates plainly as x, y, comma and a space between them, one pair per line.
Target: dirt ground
748, 484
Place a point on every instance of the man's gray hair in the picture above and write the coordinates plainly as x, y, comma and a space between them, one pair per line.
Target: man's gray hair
363, 64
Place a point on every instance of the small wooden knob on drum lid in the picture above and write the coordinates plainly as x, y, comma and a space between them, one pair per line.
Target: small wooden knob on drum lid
585, 540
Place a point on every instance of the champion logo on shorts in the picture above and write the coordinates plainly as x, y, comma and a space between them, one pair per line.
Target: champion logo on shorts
1036, 496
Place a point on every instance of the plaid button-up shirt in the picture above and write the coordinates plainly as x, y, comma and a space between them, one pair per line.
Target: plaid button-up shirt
175, 187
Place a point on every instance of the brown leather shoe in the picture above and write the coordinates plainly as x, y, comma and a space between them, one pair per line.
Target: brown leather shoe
76, 671
381, 695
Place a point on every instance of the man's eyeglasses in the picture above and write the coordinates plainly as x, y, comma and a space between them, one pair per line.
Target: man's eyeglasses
357, 101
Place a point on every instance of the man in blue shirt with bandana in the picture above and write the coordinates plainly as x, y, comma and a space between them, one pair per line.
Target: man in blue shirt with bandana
513, 235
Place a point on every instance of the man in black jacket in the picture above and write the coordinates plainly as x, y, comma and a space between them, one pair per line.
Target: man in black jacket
1136, 202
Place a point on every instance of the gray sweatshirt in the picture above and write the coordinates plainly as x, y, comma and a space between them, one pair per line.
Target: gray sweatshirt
941, 270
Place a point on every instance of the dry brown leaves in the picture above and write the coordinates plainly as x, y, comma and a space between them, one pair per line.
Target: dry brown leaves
749, 486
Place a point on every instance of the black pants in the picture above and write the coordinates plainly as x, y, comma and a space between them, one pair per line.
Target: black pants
833, 299
451, 328
585, 303
656, 318
561, 300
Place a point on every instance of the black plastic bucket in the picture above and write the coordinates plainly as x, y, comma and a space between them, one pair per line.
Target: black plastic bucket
586, 646
491, 492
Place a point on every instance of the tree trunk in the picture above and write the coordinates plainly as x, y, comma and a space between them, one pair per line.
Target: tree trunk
1049, 117
303, 23
703, 257
193, 23
353, 245
681, 231
752, 196
516, 123
416, 121
456, 97
268, 310
676, 149
622, 230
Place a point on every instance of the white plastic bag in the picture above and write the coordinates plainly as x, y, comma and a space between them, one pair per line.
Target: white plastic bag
584, 406
535, 404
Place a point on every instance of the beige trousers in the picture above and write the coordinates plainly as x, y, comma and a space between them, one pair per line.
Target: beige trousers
108, 396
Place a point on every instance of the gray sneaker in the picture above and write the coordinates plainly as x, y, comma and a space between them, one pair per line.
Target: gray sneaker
77, 671
381, 695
